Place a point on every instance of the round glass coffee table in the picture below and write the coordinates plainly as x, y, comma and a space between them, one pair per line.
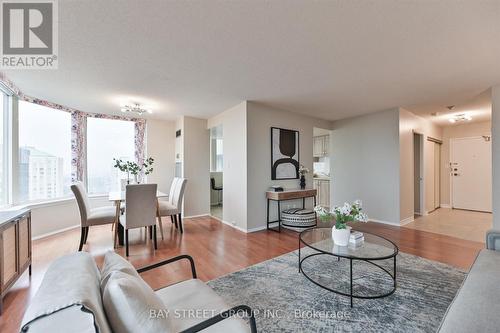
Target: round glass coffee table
374, 248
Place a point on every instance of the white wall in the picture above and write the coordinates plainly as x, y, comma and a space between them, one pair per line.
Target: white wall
234, 133
451, 132
495, 135
408, 124
365, 164
160, 144
54, 217
260, 119
196, 166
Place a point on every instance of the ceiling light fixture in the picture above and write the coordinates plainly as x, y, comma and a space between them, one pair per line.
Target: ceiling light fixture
136, 108
462, 117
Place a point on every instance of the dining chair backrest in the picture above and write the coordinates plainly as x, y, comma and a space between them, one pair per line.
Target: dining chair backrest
175, 181
141, 205
82, 200
212, 183
179, 193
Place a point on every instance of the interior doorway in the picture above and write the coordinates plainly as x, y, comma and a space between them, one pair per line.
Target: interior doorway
216, 172
433, 172
418, 174
471, 168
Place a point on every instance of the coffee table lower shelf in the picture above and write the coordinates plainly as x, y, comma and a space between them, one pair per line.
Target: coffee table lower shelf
351, 294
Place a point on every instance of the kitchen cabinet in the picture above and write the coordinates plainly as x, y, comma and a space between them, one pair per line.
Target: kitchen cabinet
321, 145
322, 185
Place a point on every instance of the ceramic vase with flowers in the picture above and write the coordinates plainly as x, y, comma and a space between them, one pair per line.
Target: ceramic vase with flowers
303, 171
342, 214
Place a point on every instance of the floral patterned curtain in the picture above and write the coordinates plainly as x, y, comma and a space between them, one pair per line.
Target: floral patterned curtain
140, 135
78, 145
79, 130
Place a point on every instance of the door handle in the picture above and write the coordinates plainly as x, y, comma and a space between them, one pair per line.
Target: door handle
456, 174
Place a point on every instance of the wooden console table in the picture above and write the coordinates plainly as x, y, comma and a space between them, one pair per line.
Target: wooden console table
287, 195
15, 248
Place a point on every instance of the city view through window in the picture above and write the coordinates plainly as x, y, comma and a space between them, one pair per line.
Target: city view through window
107, 139
44, 152
3, 166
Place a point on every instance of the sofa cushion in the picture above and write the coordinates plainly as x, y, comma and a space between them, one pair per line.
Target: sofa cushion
191, 302
115, 262
129, 303
476, 306
71, 281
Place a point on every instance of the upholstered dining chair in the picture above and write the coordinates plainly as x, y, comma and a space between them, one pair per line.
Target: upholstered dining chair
173, 207
90, 216
140, 210
170, 196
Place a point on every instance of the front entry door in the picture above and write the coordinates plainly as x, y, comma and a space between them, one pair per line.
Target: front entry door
471, 173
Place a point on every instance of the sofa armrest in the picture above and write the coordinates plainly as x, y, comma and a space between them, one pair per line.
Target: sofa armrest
493, 239
225, 315
168, 261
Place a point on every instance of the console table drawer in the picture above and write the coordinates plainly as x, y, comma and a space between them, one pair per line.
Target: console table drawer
15, 248
24, 242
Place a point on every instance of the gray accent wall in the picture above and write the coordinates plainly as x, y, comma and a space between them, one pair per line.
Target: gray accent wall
365, 164
260, 119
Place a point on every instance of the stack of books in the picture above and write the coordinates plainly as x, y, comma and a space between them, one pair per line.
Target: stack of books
356, 238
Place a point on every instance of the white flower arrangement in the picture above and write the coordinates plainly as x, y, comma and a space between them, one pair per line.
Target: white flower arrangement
303, 170
343, 214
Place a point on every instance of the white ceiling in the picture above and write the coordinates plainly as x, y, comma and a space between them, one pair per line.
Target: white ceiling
479, 108
330, 59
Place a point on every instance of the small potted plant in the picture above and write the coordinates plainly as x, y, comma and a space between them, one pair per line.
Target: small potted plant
303, 171
343, 214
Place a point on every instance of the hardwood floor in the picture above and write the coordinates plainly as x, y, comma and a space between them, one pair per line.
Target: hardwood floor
217, 250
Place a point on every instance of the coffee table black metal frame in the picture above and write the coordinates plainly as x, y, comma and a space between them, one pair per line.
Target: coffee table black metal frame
351, 259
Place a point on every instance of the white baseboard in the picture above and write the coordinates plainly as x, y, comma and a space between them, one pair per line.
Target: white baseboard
231, 225
240, 228
193, 216
407, 220
55, 232
264, 227
445, 205
385, 222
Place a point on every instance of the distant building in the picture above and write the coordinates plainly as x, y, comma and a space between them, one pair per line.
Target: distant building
40, 175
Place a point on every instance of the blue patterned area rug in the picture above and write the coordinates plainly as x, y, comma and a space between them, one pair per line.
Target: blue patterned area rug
285, 301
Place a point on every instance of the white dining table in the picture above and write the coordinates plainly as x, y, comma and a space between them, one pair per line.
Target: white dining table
118, 197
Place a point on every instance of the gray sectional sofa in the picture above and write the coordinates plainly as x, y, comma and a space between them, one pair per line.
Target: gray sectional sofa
476, 307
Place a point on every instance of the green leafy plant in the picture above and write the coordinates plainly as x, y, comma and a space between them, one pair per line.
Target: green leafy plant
133, 168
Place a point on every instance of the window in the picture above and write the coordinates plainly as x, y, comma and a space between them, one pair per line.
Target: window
107, 139
44, 152
216, 153
4, 166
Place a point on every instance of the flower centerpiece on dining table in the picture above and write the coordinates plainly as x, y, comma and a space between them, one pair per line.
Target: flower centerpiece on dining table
342, 214
135, 169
